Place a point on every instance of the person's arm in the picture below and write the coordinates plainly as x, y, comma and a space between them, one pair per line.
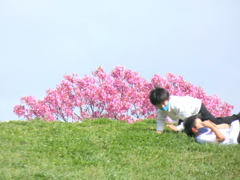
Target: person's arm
177, 128
172, 127
222, 126
219, 136
161, 121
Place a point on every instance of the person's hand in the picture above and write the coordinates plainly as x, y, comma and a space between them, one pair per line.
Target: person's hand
172, 127
159, 132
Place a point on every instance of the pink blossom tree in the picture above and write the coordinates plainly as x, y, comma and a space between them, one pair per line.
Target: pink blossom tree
121, 95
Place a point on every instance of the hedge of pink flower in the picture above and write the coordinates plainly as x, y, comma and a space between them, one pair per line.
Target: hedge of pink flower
120, 95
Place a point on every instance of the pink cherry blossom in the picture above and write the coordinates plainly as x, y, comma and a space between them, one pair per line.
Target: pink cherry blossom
122, 95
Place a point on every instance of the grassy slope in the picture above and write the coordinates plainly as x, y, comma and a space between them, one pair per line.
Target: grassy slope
105, 149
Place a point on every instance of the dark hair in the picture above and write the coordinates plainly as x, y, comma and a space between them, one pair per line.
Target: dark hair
189, 123
158, 95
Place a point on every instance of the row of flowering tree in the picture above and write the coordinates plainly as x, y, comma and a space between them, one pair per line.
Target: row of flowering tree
121, 95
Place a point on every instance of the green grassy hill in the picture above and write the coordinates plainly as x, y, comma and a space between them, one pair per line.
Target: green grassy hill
106, 149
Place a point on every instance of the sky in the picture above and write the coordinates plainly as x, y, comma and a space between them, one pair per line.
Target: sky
42, 40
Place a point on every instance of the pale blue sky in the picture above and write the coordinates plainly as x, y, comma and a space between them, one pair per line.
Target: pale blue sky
41, 40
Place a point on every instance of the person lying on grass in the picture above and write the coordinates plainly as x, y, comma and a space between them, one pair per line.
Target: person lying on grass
180, 108
208, 132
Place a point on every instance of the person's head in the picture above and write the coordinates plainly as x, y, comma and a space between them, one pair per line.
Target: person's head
159, 97
193, 125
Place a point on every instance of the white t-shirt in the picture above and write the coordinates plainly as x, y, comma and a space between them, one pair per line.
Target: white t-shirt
180, 107
231, 135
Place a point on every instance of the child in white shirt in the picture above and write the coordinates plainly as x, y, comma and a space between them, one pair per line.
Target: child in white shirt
180, 108
208, 132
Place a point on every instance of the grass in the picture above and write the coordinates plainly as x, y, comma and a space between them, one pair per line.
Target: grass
106, 149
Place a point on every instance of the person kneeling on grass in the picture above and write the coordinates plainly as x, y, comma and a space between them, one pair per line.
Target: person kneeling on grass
180, 108
208, 132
